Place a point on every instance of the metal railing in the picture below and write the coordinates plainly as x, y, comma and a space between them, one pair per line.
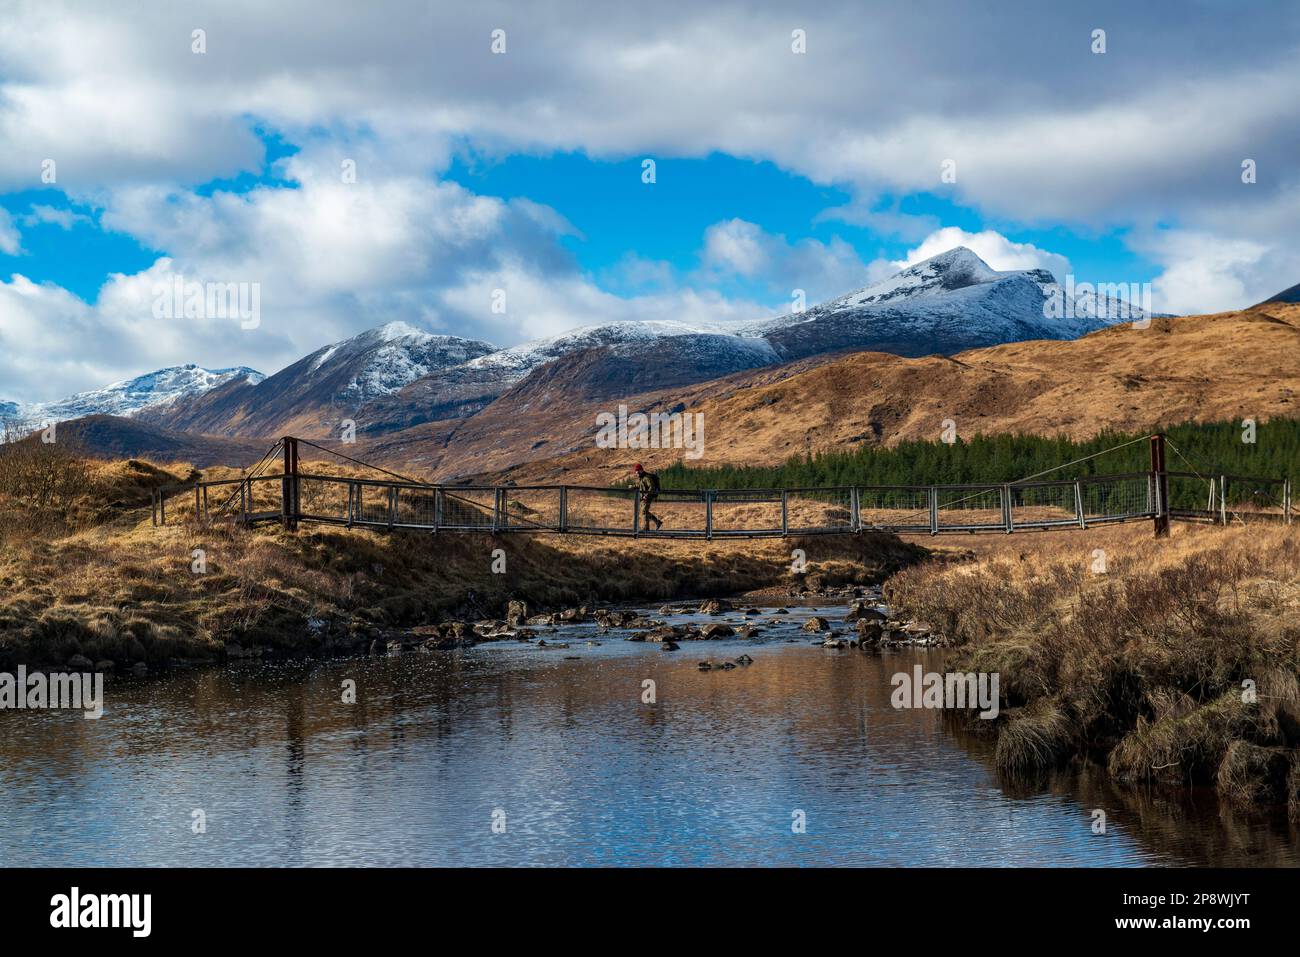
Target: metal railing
726, 513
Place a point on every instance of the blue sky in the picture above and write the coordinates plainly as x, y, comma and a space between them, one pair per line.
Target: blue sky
220, 158
613, 213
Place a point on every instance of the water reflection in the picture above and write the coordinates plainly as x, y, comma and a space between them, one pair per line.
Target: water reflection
585, 773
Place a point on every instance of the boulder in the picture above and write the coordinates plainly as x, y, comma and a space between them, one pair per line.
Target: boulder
715, 630
869, 632
861, 611
80, 663
668, 646
833, 642
816, 623
715, 606
516, 613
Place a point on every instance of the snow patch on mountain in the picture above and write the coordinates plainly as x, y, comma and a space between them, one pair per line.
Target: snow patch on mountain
154, 390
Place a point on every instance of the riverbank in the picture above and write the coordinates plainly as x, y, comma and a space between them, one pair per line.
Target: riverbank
1172, 662
108, 588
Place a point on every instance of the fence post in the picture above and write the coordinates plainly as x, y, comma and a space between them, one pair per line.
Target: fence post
289, 484
1286, 501
708, 515
1006, 509
437, 509
153, 507
934, 510
243, 500
564, 508
785, 513
1078, 503
1223, 499
1161, 479
857, 514
392, 506
197, 510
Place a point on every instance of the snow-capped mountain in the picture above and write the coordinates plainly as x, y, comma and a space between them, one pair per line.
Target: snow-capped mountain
948, 303
398, 376
527, 356
154, 391
321, 389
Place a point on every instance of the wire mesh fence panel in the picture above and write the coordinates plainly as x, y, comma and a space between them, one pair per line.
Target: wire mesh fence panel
600, 509
371, 505
969, 507
819, 510
746, 512
323, 498
530, 508
1194, 497
1246, 499
1117, 498
682, 511
416, 507
895, 507
472, 509
1043, 504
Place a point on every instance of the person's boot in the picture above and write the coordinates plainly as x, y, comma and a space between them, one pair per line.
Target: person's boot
659, 523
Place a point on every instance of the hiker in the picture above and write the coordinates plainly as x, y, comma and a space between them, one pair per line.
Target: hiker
648, 484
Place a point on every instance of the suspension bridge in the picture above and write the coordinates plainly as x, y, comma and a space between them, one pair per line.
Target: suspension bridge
278, 490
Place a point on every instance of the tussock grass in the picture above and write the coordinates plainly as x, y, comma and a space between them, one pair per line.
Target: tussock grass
103, 583
1148, 666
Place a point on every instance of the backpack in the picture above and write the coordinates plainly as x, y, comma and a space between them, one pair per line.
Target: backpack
654, 483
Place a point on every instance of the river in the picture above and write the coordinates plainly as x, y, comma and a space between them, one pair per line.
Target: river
514, 754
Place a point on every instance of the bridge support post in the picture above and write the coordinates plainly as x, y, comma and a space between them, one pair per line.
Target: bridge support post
1006, 509
934, 510
1161, 479
289, 485
857, 509
1223, 500
785, 513
1078, 504
564, 508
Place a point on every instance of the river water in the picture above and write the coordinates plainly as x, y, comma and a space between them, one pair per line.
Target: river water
514, 754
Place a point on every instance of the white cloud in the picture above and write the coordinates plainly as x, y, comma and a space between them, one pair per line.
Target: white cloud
40, 215
736, 247
992, 247
1204, 273
10, 241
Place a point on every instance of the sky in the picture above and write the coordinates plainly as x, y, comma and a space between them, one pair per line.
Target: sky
366, 163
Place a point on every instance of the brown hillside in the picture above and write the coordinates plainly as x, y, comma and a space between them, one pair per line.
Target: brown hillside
1196, 368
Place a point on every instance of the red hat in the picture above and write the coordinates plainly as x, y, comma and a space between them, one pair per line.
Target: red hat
637, 468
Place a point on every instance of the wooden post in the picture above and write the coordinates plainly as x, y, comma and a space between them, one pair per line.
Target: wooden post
785, 513
1161, 478
1223, 499
289, 485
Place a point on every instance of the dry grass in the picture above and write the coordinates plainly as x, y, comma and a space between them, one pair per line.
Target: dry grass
116, 588
1144, 666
